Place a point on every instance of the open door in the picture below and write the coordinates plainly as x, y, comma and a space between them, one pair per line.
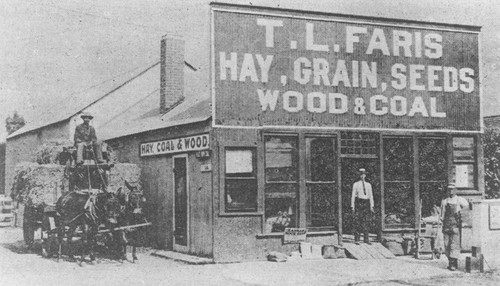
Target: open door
350, 174
181, 206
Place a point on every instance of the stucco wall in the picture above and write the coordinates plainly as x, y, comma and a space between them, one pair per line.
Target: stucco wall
23, 147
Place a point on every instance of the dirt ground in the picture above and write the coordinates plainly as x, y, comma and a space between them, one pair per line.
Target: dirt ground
19, 266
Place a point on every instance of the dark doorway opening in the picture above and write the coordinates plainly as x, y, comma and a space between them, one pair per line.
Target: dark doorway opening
350, 174
180, 202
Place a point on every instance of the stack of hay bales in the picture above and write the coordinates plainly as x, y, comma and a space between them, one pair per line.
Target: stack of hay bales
121, 172
48, 153
43, 182
38, 185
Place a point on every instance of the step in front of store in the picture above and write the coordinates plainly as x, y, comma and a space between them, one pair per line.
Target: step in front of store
364, 251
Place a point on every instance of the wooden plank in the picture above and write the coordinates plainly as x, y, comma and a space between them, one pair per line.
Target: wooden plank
382, 250
371, 250
357, 252
365, 248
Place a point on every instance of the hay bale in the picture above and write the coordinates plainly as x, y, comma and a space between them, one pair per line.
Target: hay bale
38, 185
48, 153
121, 172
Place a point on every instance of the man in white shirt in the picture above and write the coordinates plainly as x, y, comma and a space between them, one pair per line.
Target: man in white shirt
362, 207
450, 215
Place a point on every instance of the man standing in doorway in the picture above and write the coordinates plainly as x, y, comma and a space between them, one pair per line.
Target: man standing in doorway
362, 207
450, 215
85, 136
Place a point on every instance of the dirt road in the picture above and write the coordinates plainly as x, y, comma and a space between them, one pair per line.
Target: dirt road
18, 266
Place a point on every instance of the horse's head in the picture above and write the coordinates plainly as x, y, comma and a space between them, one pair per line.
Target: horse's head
111, 207
132, 199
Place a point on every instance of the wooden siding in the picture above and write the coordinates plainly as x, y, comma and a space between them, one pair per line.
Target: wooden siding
157, 182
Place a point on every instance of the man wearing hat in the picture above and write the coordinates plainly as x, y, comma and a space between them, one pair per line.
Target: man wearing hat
450, 216
85, 136
362, 206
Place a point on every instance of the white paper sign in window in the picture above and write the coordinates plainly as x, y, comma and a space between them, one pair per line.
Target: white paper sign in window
239, 161
462, 174
278, 154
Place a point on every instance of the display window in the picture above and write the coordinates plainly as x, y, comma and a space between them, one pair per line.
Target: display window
399, 198
281, 182
433, 173
240, 180
322, 198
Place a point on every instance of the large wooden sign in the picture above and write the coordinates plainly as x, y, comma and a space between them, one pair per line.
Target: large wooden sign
282, 68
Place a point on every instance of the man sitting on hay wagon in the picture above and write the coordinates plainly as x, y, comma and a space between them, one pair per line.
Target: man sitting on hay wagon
85, 136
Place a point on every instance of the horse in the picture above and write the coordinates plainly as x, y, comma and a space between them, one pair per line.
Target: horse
132, 201
87, 211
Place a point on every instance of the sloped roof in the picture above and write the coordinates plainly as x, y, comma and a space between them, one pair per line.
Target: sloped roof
78, 101
145, 116
492, 121
126, 105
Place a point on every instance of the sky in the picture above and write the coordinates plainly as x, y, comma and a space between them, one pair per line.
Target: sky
53, 51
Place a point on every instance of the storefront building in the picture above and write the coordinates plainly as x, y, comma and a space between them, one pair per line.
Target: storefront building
300, 102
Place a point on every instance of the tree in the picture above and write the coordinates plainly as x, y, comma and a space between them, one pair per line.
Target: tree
14, 122
491, 147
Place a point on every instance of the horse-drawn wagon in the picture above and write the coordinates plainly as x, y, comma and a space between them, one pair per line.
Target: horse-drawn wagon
67, 199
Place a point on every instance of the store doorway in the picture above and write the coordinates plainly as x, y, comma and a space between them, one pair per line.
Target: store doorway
350, 174
181, 194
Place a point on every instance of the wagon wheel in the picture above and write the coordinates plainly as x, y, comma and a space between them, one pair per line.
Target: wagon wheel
28, 226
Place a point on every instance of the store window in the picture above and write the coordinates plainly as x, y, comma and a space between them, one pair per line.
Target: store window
433, 173
464, 162
322, 196
240, 180
281, 186
399, 200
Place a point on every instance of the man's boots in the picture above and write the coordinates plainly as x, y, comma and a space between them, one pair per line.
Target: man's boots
452, 264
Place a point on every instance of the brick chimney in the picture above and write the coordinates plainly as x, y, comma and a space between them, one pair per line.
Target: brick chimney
171, 73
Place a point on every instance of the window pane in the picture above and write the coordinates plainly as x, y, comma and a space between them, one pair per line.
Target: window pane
321, 159
280, 213
281, 202
241, 180
241, 195
399, 205
463, 149
239, 162
398, 159
431, 195
281, 158
399, 200
432, 159
322, 202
